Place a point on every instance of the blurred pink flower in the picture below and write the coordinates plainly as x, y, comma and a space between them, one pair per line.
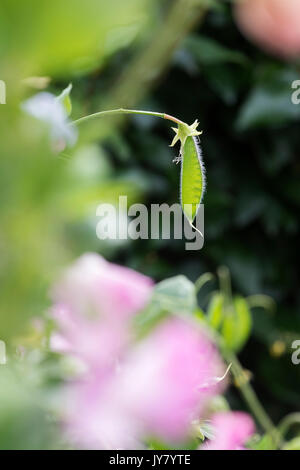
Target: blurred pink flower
169, 376
92, 305
96, 418
232, 430
273, 24
158, 389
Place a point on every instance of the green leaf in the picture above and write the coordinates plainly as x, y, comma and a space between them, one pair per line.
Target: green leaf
266, 107
269, 102
176, 294
244, 321
192, 178
199, 314
65, 100
294, 444
229, 330
207, 51
237, 325
264, 443
215, 311
146, 320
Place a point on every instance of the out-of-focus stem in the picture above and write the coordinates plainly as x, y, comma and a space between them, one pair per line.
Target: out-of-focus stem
146, 68
246, 390
237, 370
225, 285
250, 396
148, 65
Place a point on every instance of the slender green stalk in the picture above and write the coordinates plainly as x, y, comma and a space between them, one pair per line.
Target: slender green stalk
242, 382
245, 388
225, 287
250, 396
120, 111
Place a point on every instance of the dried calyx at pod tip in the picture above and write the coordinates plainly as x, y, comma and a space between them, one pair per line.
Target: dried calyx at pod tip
183, 131
192, 168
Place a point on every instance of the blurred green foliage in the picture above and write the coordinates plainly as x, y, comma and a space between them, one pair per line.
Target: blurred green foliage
44, 196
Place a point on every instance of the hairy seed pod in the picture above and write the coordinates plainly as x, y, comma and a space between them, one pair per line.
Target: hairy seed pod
192, 178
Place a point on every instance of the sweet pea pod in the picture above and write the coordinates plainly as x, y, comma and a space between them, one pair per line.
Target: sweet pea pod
192, 178
192, 169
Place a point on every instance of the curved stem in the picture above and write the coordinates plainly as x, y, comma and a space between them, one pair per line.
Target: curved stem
263, 301
287, 422
202, 280
119, 111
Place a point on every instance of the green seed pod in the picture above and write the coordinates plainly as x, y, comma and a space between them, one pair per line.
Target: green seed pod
192, 178
192, 169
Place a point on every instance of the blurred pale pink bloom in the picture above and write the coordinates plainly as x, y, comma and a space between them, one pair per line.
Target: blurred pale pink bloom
169, 376
273, 24
232, 430
96, 417
93, 302
157, 390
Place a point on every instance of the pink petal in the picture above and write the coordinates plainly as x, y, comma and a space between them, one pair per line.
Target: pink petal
92, 305
232, 430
